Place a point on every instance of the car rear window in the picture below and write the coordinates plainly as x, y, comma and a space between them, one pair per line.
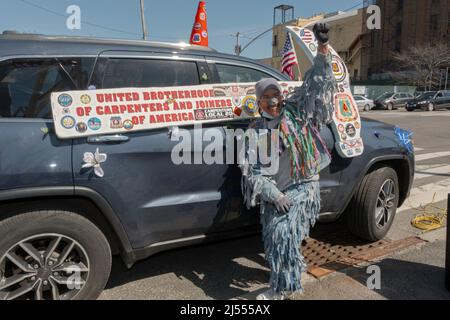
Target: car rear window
121, 73
26, 84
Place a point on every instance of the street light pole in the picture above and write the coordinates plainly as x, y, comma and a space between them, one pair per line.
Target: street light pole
144, 25
237, 48
446, 78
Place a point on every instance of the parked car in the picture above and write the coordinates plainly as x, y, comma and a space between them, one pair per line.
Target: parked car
364, 104
391, 101
57, 221
430, 101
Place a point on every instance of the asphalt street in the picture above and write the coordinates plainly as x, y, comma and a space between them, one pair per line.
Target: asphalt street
237, 269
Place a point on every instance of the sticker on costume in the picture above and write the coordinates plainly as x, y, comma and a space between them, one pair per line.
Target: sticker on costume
306, 36
350, 130
339, 69
345, 108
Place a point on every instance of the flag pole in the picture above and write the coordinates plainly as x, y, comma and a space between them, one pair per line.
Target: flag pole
296, 57
300, 78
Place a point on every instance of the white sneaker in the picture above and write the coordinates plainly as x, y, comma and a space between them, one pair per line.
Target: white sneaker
269, 295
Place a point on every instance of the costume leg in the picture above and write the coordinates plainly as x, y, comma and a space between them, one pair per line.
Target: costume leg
283, 235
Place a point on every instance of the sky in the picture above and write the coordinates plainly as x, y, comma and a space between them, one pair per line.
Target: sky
167, 20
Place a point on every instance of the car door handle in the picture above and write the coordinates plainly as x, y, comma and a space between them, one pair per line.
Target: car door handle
118, 138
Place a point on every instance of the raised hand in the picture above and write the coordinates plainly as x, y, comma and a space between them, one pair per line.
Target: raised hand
321, 32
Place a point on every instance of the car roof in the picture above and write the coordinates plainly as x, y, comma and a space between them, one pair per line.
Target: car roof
18, 44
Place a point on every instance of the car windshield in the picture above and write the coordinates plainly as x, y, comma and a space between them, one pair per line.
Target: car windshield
427, 95
385, 95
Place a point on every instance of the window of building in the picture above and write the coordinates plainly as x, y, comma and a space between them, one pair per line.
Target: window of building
434, 23
275, 41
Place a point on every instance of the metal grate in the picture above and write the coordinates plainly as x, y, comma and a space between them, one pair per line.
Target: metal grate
330, 244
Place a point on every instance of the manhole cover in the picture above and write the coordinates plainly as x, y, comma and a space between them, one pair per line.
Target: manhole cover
334, 243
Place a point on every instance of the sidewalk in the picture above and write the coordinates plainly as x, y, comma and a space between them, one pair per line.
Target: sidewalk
415, 273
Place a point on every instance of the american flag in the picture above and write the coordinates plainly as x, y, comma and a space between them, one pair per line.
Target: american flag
289, 59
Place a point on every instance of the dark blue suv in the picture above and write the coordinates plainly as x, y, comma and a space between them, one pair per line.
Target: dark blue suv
59, 225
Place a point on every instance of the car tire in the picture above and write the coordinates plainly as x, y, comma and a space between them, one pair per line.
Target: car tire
430, 107
409, 110
390, 106
366, 108
67, 256
365, 218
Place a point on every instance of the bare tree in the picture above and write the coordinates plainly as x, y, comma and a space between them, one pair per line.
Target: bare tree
421, 65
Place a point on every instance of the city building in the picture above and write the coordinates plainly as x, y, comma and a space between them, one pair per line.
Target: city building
369, 53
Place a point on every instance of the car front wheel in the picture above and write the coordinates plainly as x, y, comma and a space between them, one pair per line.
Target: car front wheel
390, 106
373, 207
366, 108
52, 255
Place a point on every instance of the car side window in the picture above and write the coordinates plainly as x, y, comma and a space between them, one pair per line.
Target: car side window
239, 74
120, 73
26, 84
358, 98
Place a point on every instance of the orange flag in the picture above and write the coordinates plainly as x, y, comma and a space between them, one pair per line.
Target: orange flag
199, 35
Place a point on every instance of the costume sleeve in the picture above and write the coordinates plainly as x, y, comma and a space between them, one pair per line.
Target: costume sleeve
255, 185
314, 99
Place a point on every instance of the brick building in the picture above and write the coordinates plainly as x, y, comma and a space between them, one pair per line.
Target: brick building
369, 53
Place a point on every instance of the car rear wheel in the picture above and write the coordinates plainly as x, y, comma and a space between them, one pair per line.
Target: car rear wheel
390, 106
52, 255
373, 207
366, 108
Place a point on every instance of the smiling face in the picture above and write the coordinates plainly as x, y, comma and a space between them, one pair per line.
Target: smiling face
272, 102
